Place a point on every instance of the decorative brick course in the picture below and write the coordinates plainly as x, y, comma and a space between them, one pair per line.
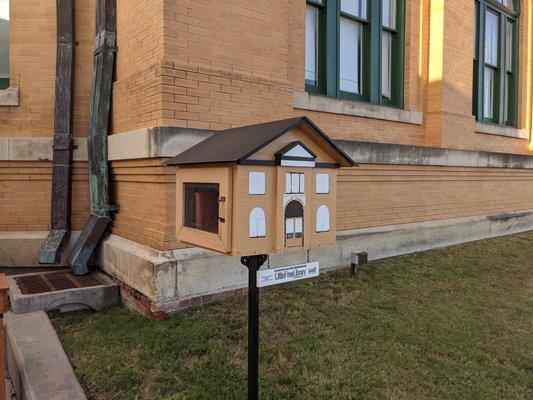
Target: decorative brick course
134, 300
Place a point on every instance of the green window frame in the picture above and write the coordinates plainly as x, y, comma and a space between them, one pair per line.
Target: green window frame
381, 44
4, 44
495, 91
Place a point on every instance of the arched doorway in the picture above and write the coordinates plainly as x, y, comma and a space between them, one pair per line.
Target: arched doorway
294, 224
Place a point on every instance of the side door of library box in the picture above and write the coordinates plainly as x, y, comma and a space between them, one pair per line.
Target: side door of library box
204, 206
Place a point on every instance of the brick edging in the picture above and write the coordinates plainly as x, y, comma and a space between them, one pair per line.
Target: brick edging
135, 300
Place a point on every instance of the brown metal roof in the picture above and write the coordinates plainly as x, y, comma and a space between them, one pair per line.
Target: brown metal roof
238, 144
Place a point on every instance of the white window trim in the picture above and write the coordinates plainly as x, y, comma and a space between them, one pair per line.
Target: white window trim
308, 101
502, 130
317, 191
256, 183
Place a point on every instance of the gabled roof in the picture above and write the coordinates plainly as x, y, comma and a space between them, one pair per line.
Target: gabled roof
238, 144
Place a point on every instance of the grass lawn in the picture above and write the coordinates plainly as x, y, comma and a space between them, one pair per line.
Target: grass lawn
454, 324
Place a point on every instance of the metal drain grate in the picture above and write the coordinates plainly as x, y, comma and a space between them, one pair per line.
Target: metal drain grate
34, 284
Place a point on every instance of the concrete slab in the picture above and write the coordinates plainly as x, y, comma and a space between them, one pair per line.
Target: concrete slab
20, 249
38, 366
93, 297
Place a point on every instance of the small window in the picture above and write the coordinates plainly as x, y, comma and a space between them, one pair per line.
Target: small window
4, 44
295, 183
257, 223
322, 183
256, 183
201, 206
322, 219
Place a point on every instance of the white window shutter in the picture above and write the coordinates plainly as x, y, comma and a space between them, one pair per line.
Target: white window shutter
322, 183
322, 219
256, 183
257, 223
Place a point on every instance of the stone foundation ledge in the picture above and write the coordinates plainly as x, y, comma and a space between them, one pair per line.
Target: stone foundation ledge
160, 283
20, 249
174, 280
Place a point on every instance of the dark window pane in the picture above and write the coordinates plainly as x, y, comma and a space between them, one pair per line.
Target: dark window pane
201, 206
4, 44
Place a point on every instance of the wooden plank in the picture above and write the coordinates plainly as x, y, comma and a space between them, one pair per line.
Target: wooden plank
50, 252
104, 60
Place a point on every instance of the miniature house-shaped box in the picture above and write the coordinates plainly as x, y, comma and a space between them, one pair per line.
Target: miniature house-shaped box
259, 189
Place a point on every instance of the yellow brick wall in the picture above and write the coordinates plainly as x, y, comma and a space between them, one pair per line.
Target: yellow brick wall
215, 73
145, 191
137, 91
137, 97
214, 65
25, 190
377, 195
32, 52
367, 196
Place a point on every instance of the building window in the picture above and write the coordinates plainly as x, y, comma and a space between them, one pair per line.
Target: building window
4, 44
496, 62
354, 50
257, 223
295, 183
322, 219
256, 183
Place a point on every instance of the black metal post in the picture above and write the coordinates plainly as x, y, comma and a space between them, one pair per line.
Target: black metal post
253, 263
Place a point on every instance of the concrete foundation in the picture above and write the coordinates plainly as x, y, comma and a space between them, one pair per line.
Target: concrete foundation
163, 282
20, 249
174, 280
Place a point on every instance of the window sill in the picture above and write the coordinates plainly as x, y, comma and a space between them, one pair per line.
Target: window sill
501, 130
9, 97
307, 101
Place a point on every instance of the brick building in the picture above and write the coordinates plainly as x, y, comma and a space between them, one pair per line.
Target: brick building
432, 98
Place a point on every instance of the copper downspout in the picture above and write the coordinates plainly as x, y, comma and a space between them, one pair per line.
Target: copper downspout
50, 252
